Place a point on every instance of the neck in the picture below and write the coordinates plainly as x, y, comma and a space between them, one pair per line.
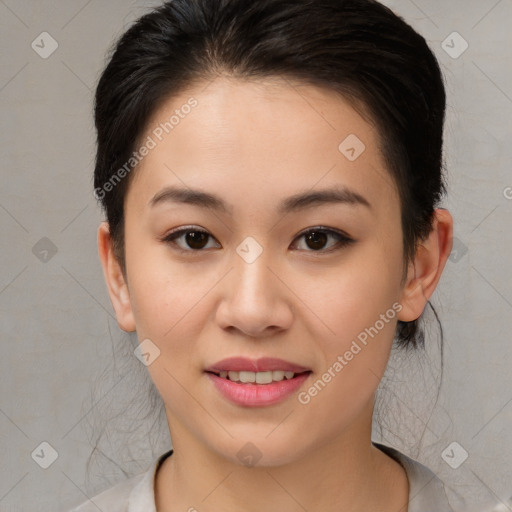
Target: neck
348, 473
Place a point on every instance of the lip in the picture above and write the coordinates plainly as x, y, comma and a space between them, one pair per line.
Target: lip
263, 364
257, 395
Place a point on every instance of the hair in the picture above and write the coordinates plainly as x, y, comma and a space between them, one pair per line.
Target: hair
357, 48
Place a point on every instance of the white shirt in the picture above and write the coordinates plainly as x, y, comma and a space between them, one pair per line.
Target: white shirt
427, 493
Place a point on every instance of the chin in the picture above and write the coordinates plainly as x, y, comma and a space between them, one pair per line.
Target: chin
259, 452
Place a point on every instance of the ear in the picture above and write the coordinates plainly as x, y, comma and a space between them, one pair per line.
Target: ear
115, 280
426, 269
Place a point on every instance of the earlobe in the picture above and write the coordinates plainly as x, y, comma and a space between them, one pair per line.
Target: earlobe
115, 280
425, 271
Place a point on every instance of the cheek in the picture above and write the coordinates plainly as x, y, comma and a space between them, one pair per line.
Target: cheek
352, 296
167, 301
169, 308
357, 305
158, 291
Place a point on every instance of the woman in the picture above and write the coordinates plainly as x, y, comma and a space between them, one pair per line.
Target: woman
271, 174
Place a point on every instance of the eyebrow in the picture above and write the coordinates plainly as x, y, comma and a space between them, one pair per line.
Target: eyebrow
335, 195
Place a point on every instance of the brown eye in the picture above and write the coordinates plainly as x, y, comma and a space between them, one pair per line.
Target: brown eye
196, 239
318, 240
189, 239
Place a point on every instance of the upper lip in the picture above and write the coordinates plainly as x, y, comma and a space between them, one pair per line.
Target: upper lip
263, 364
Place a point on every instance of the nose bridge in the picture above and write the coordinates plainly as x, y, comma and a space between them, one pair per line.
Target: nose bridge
253, 299
251, 274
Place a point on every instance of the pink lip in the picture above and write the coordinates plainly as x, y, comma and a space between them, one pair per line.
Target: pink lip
257, 395
264, 364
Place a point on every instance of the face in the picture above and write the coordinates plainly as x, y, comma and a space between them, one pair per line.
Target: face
272, 265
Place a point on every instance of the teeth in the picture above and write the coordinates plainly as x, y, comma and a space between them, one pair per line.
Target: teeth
277, 375
257, 377
247, 377
263, 377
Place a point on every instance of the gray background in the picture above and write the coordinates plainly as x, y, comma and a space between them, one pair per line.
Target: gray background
65, 363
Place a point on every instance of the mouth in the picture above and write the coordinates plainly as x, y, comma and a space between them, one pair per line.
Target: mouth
264, 370
265, 377
261, 383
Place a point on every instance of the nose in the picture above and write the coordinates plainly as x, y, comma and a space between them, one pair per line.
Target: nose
255, 299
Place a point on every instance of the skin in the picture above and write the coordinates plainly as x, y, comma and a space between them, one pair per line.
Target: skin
254, 144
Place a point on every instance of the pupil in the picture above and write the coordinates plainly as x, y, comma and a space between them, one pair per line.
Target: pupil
196, 239
318, 239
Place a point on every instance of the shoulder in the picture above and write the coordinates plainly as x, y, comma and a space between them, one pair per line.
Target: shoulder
115, 499
427, 493
132, 495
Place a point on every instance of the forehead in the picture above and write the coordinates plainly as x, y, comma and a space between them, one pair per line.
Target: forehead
269, 137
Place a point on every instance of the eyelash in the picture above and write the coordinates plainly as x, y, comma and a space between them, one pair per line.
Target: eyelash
343, 239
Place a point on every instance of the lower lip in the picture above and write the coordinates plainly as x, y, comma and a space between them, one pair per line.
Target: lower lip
257, 395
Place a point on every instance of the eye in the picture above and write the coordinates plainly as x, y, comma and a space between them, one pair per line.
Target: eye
188, 239
194, 239
317, 238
